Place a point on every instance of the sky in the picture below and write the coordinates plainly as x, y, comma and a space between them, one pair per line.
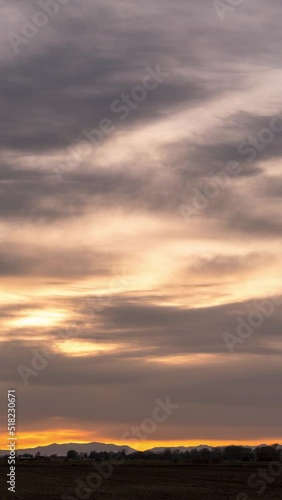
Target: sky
140, 229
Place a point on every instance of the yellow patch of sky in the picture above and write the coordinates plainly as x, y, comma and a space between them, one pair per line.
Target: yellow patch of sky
43, 318
80, 348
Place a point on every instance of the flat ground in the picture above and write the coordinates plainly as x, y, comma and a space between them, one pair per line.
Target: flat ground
143, 481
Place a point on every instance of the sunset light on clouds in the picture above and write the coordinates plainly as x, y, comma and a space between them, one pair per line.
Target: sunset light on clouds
140, 228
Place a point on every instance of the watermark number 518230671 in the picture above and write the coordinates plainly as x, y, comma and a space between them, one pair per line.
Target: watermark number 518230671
11, 440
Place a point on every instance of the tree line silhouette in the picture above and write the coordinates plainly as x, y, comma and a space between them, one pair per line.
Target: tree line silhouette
272, 453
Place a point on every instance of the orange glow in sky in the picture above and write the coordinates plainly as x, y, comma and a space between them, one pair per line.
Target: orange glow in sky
61, 436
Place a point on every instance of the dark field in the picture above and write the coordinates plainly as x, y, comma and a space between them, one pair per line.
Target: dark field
37, 481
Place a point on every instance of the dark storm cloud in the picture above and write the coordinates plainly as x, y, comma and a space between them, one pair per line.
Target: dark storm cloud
59, 263
220, 265
93, 55
62, 88
246, 215
259, 140
35, 194
102, 385
241, 137
172, 330
270, 187
46, 99
80, 78
234, 393
143, 330
243, 205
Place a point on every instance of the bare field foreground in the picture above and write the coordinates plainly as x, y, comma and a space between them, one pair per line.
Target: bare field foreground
145, 481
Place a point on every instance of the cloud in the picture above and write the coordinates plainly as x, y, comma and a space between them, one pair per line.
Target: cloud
114, 214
